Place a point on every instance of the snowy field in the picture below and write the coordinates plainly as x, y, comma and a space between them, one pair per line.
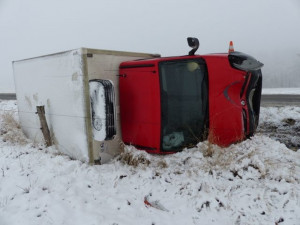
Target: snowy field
253, 182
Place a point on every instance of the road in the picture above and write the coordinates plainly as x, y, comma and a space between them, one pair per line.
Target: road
280, 100
267, 100
8, 96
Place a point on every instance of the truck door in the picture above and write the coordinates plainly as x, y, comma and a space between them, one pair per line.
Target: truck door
140, 106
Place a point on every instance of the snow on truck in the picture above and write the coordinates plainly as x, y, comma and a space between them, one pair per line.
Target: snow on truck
95, 100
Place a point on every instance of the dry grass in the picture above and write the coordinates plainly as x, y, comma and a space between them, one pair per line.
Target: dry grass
129, 158
216, 157
10, 130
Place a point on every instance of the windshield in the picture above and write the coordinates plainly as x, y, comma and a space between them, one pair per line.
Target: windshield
184, 103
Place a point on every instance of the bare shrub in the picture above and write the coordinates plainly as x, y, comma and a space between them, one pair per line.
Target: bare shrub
209, 151
134, 157
162, 164
10, 130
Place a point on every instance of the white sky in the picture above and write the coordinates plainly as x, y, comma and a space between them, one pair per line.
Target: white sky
267, 29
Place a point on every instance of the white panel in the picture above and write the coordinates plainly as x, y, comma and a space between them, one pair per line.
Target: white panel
55, 81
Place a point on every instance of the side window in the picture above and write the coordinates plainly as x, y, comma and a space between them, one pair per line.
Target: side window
184, 103
102, 98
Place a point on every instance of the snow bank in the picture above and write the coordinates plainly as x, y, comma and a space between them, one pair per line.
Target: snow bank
10, 129
282, 124
253, 182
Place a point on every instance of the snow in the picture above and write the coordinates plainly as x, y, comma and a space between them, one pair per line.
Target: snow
281, 91
277, 114
252, 182
282, 124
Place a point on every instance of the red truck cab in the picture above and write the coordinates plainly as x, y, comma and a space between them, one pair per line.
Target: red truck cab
171, 103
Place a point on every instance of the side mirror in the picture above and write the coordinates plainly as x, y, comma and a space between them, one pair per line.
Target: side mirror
194, 44
102, 100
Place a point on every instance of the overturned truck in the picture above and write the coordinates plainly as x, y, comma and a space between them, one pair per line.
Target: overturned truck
96, 100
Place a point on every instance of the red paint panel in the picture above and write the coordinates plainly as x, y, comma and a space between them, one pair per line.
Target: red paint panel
140, 102
140, 106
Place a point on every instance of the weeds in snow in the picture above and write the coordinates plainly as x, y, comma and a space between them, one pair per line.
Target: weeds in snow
134, 158
10, 130
26, 190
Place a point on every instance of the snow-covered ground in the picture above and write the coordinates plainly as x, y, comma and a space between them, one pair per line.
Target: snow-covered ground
253, 182
282, 124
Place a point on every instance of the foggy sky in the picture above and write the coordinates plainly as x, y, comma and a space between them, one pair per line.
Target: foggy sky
266, 29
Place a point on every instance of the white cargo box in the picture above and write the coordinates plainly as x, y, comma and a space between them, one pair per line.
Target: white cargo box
62, 83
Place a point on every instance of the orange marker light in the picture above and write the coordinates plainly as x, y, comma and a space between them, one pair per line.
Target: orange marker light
231, 49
